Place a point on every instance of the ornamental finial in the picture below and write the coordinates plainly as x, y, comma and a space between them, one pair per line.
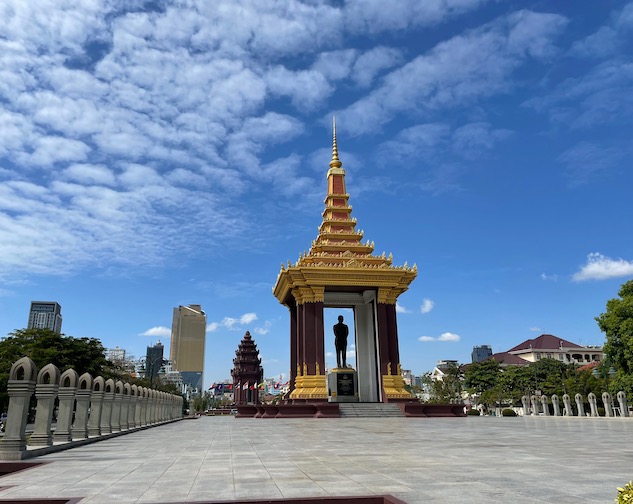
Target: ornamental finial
335, 163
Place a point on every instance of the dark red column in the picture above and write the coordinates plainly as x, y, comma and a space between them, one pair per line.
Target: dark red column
309, 349
293, 345
392, 324
314, 349
319, 336
383, 337
301, 335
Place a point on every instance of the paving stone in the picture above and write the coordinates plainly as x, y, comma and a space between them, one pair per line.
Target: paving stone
475, 460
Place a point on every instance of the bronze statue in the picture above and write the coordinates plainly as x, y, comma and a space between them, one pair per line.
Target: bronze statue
341, 331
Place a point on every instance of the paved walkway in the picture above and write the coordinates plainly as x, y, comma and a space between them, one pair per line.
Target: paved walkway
453, 460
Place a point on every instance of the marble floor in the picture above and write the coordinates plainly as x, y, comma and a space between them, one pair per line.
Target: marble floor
419, 460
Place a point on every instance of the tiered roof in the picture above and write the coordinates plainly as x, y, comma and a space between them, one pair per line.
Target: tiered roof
338, 257
247, 361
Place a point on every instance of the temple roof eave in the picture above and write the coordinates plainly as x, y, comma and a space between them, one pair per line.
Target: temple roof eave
393, 277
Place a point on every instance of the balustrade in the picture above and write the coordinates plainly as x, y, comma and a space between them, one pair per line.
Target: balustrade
87, 408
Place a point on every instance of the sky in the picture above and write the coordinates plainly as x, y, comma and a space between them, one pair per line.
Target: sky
157, 154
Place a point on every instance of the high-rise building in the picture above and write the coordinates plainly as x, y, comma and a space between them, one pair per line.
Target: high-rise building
186, 352
481, 353
45, 315
153, 360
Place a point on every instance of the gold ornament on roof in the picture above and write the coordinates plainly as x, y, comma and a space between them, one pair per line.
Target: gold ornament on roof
339, 252
335, 162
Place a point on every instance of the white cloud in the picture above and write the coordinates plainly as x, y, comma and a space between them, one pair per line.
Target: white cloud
142, 127
598, 44
600, 267
157, 331
608, 39
545, 276
401, 309
305, 88
471, 140
49, 150
461, 70
247, 318
268, 29
90, 174
420, 142
441, 150
231, 323
335, 65
244, 146
427, 305
535, 329
371, 63
587, 160
447, 336
372, 16
599, 96
265, 329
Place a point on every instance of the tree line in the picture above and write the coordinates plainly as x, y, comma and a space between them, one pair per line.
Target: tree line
84, 355
492, 384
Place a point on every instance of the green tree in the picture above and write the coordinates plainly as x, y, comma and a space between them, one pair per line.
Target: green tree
583, 383
200, 404
448, 388
44, 346
482, 376
481, 380
549, 375
515, 382
617, 324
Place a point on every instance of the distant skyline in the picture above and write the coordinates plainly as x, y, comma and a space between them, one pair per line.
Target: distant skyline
158, 154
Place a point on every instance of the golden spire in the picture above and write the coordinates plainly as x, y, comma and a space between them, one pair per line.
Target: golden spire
335, 163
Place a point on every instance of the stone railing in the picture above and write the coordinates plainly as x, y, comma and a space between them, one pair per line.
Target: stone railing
88, 409
612, 408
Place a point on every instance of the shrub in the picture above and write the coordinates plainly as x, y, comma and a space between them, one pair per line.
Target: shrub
601, 411
625, 495
473, 412
508, 412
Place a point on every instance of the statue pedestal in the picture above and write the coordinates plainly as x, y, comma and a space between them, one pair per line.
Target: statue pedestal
342, 384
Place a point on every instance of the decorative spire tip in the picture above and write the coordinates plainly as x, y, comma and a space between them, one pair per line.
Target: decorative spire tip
335, 163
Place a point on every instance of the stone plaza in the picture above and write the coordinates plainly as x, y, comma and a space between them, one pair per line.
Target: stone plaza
418, 460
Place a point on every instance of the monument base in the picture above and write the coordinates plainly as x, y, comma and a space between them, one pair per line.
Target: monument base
342, 385
310, 387
393, 386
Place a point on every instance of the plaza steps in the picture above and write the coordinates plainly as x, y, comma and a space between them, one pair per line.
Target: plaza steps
369, 410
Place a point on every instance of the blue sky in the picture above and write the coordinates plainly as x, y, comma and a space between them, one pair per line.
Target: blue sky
154, 154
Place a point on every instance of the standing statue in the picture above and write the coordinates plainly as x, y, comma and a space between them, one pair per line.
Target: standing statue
341, 332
